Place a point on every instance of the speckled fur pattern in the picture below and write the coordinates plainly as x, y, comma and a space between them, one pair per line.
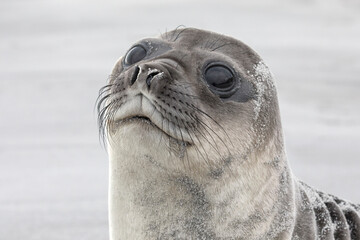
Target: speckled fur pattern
186, 164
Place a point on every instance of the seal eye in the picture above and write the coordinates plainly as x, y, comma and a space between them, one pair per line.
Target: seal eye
219, 78
135, 55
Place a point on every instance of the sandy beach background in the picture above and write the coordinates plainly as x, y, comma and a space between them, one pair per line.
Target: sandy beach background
56, 54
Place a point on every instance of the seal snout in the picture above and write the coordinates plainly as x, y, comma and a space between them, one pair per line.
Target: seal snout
145, 74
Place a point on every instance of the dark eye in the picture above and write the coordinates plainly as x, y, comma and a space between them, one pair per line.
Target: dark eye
219, 78
135, 55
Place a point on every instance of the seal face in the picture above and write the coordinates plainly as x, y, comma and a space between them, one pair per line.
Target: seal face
161, 75
196, 149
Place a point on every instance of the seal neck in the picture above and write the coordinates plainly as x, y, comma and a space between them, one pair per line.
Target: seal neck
146, 202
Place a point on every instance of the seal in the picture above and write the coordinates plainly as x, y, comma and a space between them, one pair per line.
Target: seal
192, 126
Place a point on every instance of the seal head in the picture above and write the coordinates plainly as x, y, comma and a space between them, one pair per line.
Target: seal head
197, 89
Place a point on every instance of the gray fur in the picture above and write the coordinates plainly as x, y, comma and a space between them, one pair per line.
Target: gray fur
186, 163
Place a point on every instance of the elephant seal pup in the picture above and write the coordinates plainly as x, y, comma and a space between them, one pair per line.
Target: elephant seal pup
192, 125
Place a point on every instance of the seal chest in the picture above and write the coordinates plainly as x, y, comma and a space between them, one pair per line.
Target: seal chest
193, 130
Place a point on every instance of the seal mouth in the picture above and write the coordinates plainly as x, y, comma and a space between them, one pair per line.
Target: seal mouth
146, 120
140, 109
136, 118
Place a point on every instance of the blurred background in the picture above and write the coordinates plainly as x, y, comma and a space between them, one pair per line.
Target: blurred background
56, 54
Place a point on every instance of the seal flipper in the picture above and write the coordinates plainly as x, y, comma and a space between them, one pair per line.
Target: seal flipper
335, 218
341, 227
353, 220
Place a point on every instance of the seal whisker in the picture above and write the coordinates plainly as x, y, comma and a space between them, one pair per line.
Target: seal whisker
215, 147
207, 140
107, 88
205, 126
213, 120
180, 32
102, 119
196, 147
103, 91
102, 100
102, 109
106, 117
210, 44
162, 133
206, 159
183, 142
223, 45
182, 93
192, 141
110, 121
200, 123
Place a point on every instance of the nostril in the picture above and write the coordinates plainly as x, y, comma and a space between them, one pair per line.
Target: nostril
150, 77
135, 75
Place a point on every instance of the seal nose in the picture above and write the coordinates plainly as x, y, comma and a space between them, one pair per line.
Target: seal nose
135, 75
151, 74
138, 74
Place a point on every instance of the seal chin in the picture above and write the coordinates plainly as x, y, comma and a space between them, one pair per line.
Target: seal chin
140, 110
